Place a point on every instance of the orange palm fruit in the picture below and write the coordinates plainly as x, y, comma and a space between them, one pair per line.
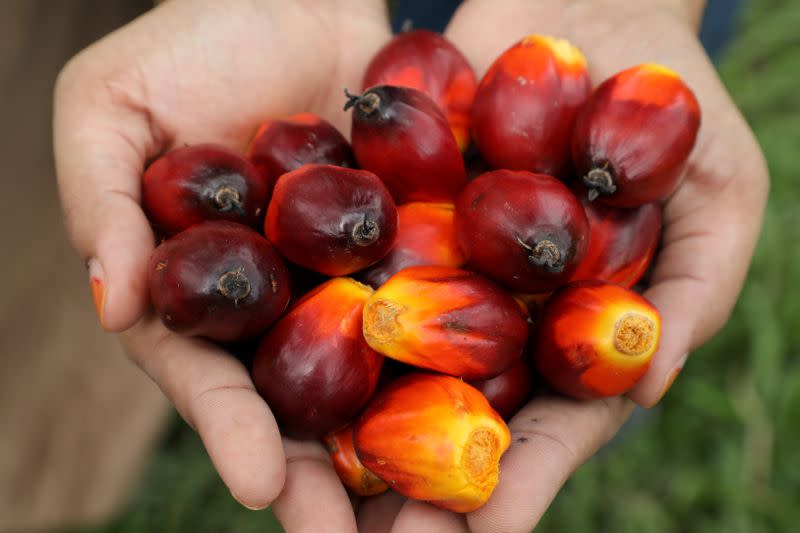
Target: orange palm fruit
634, 136
596, 339
433, 438
527, 103
350, 470
446, 319
425, 236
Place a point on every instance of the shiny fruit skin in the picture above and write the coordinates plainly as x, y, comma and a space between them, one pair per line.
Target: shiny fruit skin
510, 390
448, 320
634, 136
622, 242
218, 280
433, 438
427, 61
330, 219
313, 368
596, 339
401, 135
353, 474
526, 231
202, 182
526, 105
283, 145
425, 236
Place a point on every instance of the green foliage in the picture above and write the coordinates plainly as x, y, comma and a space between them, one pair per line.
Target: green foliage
721, 453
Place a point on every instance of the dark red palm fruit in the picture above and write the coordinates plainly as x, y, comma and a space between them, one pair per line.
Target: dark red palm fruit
510, 390
330, 219
425, 236
314, 368
622, 242
595, 339
427, 61
218, 280
202, 182
401, 135
534, 303
526, 105
303, 281
634, 136
527, 231
448, 320
286, 144
353, 474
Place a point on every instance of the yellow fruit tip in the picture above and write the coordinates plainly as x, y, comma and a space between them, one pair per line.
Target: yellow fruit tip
566, 52
634, 334
661, 70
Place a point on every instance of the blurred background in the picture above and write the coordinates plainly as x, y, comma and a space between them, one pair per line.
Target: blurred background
86, 439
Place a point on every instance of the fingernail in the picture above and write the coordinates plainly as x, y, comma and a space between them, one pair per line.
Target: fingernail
247, 506
98, 288
672, 376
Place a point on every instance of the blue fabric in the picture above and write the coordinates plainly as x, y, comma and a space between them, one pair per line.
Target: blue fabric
719, 22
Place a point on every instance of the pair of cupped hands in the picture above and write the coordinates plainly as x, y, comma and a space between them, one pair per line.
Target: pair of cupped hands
195, 71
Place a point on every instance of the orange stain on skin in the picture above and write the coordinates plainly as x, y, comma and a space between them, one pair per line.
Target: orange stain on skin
434, 438
98, 296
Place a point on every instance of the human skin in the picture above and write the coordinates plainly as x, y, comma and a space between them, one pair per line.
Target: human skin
209, 71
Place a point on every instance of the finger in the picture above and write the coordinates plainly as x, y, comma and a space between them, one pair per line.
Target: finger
313, 498
711, 229
101, 140
550, 438
421, 517
377, 513
213, 392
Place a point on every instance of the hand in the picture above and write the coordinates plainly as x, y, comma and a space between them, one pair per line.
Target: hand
710, 229
203, 71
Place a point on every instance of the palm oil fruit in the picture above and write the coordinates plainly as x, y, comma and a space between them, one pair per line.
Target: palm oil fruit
426, 61
401, 135
330, 219
314, 368
596, 339
218, 280
634, 136
353, 474
286, 144
448, 320
622, 242
202, 182
509, 391
526, 105
425, 236
433, 438
527, 231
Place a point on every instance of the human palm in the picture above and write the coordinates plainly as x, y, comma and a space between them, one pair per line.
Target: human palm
210, 71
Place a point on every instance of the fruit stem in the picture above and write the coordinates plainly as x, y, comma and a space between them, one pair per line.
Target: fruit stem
634, 334
545, 254
599, 181
226, 199
365, 232
234, 285
367, 103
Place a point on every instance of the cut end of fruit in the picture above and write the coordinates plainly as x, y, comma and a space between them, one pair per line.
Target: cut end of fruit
365, 232
599, 181
234, 285
481, 457
634, 334
544, 254
380, 321
227, 199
